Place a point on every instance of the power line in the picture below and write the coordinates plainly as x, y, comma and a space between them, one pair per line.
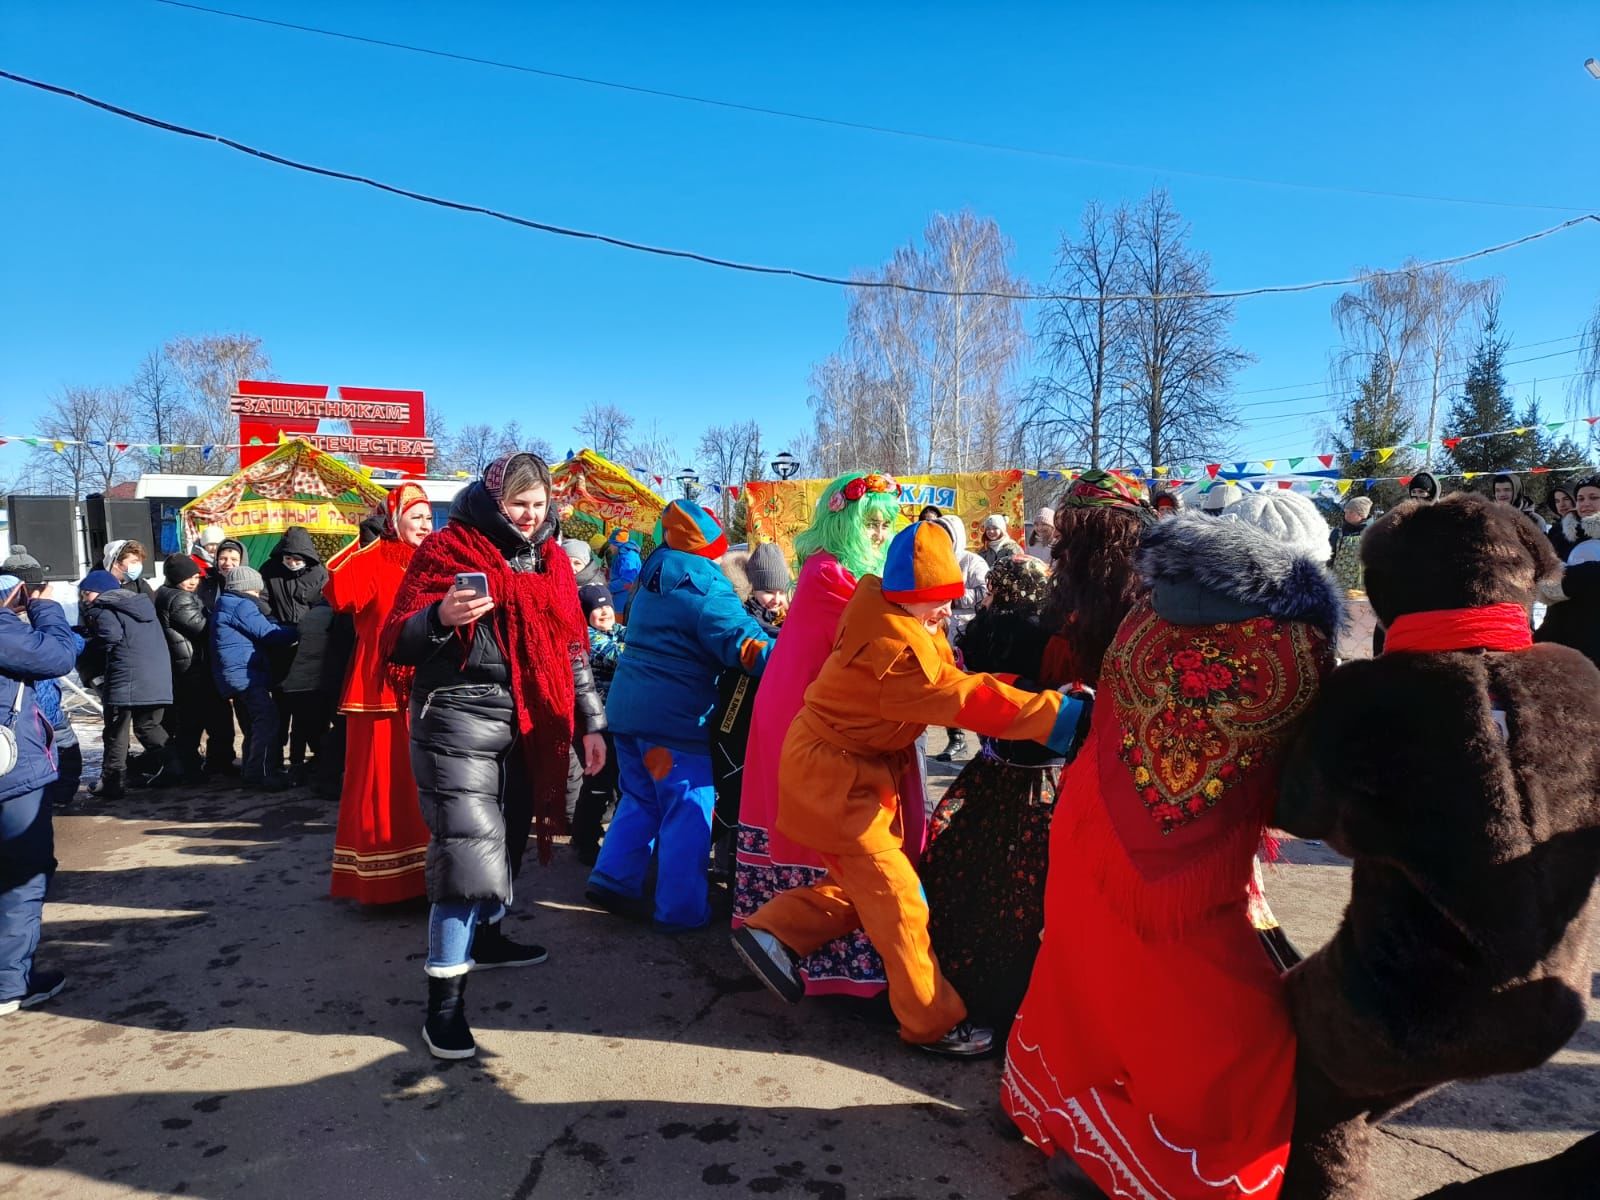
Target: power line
857, 126
757, 269
1290, 387
1446, 379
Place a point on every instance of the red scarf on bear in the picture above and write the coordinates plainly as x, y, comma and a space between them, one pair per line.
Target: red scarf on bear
540, 629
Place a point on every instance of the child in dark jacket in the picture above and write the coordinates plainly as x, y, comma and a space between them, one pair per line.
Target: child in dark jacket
127, 653
241, 637
597, 796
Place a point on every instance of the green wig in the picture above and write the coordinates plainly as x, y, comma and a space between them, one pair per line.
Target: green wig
839, 527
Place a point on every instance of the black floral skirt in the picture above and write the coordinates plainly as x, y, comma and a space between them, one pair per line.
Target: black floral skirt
983, 872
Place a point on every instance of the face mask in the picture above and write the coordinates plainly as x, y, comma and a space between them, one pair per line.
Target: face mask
295, 567
135, 569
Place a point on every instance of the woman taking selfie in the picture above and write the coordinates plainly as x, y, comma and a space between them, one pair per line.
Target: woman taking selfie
487, 620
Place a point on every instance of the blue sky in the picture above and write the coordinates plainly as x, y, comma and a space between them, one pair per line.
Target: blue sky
119, 237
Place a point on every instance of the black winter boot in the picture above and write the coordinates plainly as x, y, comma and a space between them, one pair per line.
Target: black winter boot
112, 786
446, 1033
492, 948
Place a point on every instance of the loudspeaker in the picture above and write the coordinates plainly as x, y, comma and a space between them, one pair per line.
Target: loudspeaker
109, 520
48, 527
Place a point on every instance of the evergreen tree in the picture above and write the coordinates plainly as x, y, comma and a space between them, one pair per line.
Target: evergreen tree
1376, 418
1484, 407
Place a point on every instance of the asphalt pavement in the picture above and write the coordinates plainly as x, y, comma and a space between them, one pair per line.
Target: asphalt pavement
230, 1031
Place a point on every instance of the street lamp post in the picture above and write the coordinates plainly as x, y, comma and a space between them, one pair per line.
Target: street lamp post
785, 465
688, 480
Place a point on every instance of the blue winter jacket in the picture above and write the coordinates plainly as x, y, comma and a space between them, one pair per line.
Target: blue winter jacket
48, 691
685, 627
41, 647
240, 636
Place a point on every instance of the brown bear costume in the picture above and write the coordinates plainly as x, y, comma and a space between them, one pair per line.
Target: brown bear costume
1444, 769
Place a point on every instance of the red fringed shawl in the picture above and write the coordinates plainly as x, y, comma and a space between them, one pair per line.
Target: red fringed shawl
540, 629
1189, 741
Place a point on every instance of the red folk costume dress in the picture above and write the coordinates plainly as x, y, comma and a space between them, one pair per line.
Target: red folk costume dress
1154, 1045
381, 843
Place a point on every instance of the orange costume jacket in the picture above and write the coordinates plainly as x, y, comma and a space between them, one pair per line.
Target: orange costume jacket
886, 681
364, 584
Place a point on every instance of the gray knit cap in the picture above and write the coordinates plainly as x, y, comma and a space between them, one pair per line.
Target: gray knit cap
766, 569
245, 579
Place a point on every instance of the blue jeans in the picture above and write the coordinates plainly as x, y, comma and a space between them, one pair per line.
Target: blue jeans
666, 805
27, 860
450, 926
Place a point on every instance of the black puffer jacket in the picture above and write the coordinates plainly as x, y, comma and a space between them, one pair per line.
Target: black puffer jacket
311, 670
471, 776
291, 593
126, 643
183, 620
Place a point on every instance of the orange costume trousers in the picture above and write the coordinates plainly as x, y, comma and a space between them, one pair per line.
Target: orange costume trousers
881, 894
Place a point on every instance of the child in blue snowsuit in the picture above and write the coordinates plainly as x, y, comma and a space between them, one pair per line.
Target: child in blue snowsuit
685, 627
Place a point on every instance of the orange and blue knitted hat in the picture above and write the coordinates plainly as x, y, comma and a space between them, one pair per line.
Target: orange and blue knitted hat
688, 527
921, 566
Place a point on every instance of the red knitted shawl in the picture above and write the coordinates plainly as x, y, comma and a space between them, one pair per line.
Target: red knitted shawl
540, 629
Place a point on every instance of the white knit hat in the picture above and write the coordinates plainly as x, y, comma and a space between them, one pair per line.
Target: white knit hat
1287, 516
1219, 496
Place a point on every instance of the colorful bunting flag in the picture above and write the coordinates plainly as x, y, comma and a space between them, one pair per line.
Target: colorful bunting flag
1343, 485
1212, 469
1450, 443
1420, 445
1294, 463
58, 445
1325, 459
1385, 453
1266, 463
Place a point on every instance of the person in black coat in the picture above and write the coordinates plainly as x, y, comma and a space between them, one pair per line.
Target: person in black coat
310, 689
294, 576
183, 620
127, 652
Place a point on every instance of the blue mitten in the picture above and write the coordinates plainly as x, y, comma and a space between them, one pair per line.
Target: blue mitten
1072, 723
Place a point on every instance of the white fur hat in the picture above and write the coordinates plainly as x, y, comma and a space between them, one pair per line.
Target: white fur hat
1287, 516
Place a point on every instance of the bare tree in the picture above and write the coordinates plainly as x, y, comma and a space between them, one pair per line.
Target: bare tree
475, 447
1446, 302
1179, 355
1586, 387
161, 412
1383, 332
731, 455
1082, 343
604, 429
924, 382
653, 456
209, 368
90, 425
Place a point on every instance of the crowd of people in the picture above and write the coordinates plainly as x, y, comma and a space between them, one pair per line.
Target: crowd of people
1154, 690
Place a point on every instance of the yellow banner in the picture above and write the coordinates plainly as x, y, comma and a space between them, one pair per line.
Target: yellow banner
779, 510
248, 517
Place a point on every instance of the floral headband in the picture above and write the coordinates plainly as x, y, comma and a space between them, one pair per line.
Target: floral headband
859, 487
1105, 489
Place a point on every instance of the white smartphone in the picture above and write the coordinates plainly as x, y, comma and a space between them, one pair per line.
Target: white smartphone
475, 582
